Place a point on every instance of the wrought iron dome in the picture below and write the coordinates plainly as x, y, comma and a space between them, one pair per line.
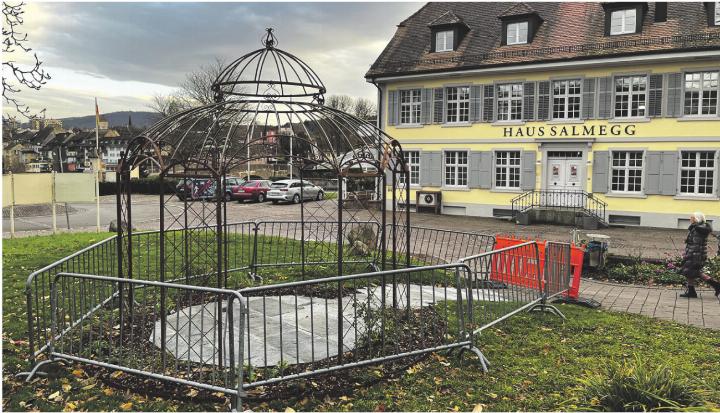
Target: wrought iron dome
269, 105
268, 73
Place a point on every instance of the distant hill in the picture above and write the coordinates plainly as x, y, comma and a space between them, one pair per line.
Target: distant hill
139, 120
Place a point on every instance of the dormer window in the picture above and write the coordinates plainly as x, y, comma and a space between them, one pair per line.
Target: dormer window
624, 18
623, 21
444, 41
447, 32
520, 23
517, 33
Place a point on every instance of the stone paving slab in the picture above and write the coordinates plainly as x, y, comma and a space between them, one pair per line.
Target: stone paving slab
657, 302
290, 329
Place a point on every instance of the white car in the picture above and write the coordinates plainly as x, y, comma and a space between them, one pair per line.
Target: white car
288, 190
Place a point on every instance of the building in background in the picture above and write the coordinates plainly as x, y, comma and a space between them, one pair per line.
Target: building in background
609, 110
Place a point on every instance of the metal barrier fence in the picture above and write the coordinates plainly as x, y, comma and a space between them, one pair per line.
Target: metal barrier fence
131, 332
232, 340
256, 247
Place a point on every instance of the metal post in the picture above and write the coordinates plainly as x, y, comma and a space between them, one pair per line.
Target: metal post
163, 289
12, 205
340, 268
97, 196
119, 177
219, 200
52, 202
302, 226
394, 237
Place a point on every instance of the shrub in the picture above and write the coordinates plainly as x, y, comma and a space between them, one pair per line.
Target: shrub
637, 386
641, 272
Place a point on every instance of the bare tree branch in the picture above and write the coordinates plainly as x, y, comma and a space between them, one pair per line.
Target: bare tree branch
364, 109
30, 77
196, 88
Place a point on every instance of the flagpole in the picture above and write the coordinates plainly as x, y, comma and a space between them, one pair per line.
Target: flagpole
97, 166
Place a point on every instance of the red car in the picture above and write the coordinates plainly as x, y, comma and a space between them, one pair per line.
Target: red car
251, 190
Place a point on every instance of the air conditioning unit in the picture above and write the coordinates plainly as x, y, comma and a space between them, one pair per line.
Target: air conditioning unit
428, 199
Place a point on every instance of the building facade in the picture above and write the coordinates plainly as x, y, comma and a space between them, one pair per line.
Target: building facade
497, 104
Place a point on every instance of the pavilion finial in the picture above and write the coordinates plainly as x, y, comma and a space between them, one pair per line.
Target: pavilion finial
270, 41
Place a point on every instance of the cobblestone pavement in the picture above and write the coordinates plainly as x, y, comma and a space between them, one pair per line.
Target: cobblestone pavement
658, 302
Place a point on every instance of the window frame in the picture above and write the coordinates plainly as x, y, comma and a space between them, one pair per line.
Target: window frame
460, 105
414, 107
445, 40
517, 24
624, 21
716, 13
630, 95
413, 166
626, 168
507, 167
700, 91
566, 96
509, 100
714, 170
457, 167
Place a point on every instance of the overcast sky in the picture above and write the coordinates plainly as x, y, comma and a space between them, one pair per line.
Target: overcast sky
124, 53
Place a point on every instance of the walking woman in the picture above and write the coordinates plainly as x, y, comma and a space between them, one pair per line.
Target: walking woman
695, 256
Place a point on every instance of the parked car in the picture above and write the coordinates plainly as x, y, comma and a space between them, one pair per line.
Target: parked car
288, 190
251, 190
195, 189
231, 182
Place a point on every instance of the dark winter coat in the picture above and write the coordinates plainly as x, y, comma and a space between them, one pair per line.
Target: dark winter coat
695, 249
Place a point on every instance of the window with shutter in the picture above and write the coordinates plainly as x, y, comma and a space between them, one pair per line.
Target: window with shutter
604, 97
674, 95
701, 94
626, 171
566, 99
509, 101
507, 169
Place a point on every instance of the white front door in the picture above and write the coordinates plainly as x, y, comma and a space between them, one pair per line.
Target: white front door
564, 176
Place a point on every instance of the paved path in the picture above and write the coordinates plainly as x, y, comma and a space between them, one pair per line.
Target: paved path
629, 241
658, 302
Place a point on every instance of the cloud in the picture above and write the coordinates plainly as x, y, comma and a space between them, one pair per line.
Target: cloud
156, 44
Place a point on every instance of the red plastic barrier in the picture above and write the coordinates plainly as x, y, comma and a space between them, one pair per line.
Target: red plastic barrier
515, 269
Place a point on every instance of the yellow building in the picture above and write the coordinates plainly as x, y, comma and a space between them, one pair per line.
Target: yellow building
607, 110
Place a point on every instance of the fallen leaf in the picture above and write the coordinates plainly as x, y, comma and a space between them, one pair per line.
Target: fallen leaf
478, 408
116, 374
126, 406
192, 393
289, 410
66, 387
54, 395
108, 391
492, 395
344, 398
78, 373
89, 386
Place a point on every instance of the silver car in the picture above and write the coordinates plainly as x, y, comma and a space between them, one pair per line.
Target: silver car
288, 190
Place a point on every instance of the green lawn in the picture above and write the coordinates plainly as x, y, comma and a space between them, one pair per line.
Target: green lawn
536, 359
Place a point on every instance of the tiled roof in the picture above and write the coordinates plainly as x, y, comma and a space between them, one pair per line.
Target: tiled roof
569, 31
517, 9
446, 18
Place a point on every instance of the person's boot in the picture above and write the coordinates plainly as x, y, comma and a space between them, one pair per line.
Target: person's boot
716, 286
689, 292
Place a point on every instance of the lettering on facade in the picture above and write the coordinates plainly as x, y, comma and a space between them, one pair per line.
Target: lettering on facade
570, 130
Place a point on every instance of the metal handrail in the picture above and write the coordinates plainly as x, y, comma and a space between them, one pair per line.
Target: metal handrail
570, 200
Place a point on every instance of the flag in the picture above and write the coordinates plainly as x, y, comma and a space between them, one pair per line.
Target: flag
97, 115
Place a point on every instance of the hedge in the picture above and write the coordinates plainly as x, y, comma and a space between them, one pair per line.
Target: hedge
147, 186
